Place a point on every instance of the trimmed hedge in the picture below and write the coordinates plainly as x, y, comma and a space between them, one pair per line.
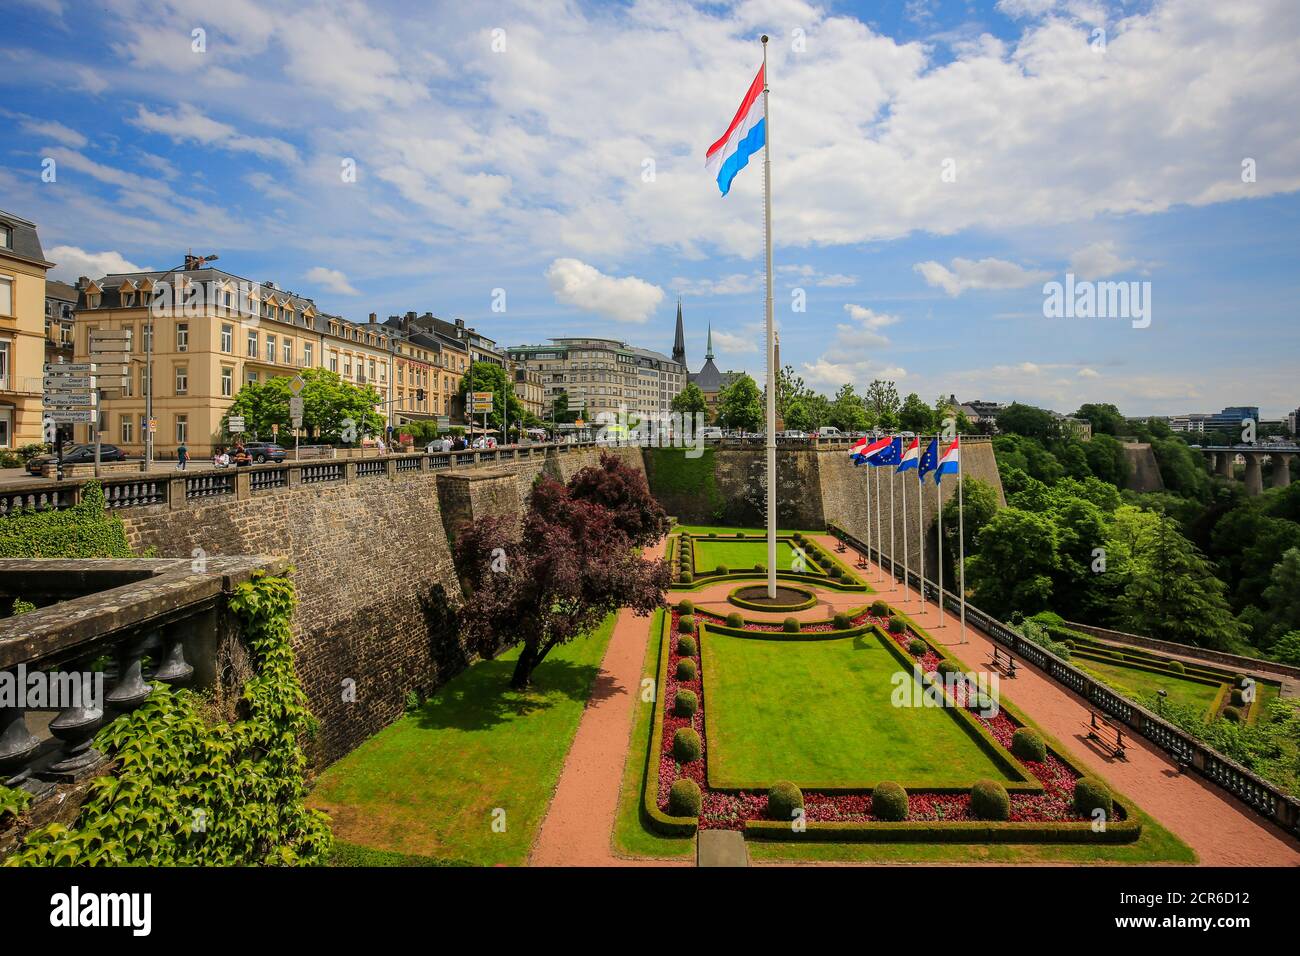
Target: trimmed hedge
86, 530
661, 822
1027, 744
790, 626
687, 577
879, 609
686, 624
684, 798
783, 799
841, 621
735, 620
1092, 794
686, 646
989, 801
685, 704
1238, 697
1177, 667
686, 745
686, 669
1123, 831
916, 647
686, 607
1233, 714
889, 802
948, 666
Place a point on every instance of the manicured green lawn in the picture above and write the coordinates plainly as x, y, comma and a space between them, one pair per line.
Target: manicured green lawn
1135, 681
820, 713
721, 529
738, 555
429, 784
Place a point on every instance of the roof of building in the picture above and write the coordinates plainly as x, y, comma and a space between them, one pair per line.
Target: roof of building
54, 289
26, 243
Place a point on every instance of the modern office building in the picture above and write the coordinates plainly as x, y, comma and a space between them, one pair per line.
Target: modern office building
602, 376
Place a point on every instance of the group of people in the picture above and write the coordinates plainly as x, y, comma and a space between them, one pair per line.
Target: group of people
448, 443
237, 456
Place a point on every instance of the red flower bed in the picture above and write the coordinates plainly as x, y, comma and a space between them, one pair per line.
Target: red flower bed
727, 810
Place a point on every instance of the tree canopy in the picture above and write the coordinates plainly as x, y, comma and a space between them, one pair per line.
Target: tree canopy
334, 410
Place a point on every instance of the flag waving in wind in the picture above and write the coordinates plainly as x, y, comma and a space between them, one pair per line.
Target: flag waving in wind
910, 455
891, 454
947, 461
867, 452
744, 137
929, 459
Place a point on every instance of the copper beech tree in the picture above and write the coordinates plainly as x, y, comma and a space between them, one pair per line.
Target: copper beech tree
573, 560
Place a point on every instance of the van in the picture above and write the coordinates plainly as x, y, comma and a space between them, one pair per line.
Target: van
711, 433
829, 431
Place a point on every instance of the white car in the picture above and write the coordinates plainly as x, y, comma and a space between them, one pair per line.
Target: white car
794, 433
829, 432
711, 433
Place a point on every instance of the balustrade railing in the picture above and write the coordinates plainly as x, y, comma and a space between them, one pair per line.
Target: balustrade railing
370, 467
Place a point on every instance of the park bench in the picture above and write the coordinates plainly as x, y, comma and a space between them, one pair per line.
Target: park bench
839, 546
1003, 662
1100, 729
862, 560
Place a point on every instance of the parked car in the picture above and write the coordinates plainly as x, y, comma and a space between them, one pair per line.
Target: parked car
829, 432
711, 433
264, 451
793, 433
76, 455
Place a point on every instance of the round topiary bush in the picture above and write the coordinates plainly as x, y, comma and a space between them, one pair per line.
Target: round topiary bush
685, 703
686, 607
989, 801
686, 624
735, 620
686, 646
879, 609
1068, 643
946, 667
1027, 744
1239, 680
841, 621
1238, 697
723, 569
687, 577
1233, 714
916, 647
761, 568
782, 800
1177, 667
713, 534
790, 626
740, 534
686, 669
896, 625
889, 801
684, 798
686, 745
1092, 794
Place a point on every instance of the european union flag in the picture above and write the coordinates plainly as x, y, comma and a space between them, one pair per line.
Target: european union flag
929, 459
891, 454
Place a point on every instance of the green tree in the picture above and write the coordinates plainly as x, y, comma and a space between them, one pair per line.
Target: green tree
740, 405
979, 505
1017, 556
848, 412
882, 402
1028, 421
690, 401
1286, 649
916, 416
1105, 419
490, 377
1106, 459
1282, 599
333, 409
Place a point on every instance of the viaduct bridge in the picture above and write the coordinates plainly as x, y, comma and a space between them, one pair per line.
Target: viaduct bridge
1221, 458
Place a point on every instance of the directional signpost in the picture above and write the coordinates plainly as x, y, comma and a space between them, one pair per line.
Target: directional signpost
69, 398
115, 346
480, 402
235, 424
295, 414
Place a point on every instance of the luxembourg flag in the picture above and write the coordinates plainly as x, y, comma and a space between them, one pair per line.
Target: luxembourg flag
869, 451
910, 455
948, 464
746, 135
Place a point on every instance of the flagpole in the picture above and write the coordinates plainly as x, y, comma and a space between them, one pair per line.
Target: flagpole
771, 372
961, 544
868, 536
880, 535
938, 510
905, 567
893, 492
920, 533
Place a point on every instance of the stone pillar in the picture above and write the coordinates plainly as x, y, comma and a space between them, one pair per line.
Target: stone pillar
1225, 463
1212, 459
1281, 470
1254, 474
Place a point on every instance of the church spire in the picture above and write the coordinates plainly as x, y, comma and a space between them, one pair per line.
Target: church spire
679, 341
708, 354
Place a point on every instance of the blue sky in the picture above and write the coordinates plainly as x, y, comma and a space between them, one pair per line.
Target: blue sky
934, 164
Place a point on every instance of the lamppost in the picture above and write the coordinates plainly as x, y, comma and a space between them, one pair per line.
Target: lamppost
1160, 702
191, 262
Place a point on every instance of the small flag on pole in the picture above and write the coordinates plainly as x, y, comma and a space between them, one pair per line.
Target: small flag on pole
929, 459
911, 456
947, 462
891, 454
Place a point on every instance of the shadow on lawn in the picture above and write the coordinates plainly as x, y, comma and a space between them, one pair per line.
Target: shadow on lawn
480, 697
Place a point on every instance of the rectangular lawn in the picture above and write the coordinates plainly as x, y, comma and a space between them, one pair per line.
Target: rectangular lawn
735, 555
1135, 681
819, 713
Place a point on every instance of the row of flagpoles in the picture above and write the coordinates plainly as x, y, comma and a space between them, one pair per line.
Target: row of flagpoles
892, 450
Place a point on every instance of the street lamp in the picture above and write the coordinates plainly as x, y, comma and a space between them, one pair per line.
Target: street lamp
191, 262
1160, 701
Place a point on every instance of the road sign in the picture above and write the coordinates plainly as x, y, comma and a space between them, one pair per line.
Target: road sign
235, 424
112, 368
69, 400
295, 406
483, 396
295, 384
153, 425
70, 416
444, 422
107, 334
57, 382
275, 428
69, 368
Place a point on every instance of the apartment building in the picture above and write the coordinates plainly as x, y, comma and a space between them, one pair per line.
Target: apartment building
60, 321
447, 356
529, 390
22, 330
213, 332
602, 376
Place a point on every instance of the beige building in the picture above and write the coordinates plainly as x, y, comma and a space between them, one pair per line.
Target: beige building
213, 333
602, 376
22, 331
528, 389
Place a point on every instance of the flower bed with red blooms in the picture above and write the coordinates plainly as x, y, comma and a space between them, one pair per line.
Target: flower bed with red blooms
730, 810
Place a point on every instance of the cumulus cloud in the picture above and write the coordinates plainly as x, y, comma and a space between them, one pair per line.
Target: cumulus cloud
967, 274
331, 279
738, 344
71, 263
1099, 260
626, 299
868, 318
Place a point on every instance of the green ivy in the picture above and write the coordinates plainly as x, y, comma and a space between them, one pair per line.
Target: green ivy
12, 801
189, 794
86, 530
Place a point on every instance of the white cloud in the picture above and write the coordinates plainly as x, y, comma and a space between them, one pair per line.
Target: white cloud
1086, 372
332, 279
51, 129
869, 318
983, 274
1099, 260
726, 285
734, 344
71, 263
189, 124
626, 299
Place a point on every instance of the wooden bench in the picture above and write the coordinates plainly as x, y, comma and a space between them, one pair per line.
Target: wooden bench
1003, 662
839, 546
1100, 729
862, 560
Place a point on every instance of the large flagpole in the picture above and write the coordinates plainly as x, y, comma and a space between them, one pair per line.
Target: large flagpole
880, 537
961, 544
905, 566
771, 372
920, 532
938, 512
893, 493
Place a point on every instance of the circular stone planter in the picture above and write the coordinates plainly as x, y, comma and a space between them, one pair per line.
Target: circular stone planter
753, 597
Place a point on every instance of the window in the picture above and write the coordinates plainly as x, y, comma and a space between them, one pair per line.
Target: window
6, 237
288, 351
182, 337
147, 338
372, 370
227, 338
252, 343
6, 295
227, 381
251, 377
306, 354
182, 429
334, 362
270, 348
127, 425
182, 380
92, 300
128, 300
4, 363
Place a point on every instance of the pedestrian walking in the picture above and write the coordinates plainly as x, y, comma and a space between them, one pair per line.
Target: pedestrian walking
182, 456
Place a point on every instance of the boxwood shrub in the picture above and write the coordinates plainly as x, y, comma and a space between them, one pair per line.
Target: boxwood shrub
1092, 794
735, 620
1027, 744
1177, 667
686, 646
790, 625
889, 801
1233, 714
947, 666
916, 647
686, 607
782, 800
897, 625
723, 569
685, 704
1238, 697
686, 745
989, 801
686, 669
686, 624
684, 798
879, 609
687, 577
842, 621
